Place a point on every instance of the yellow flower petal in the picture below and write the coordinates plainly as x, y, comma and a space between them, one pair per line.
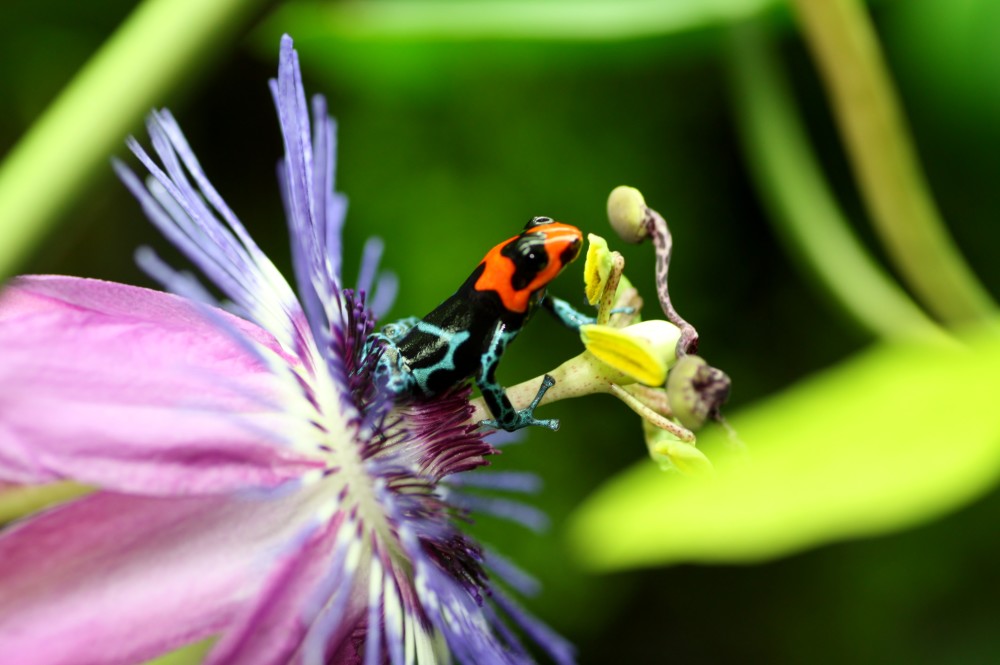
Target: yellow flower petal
597, 267
643, 351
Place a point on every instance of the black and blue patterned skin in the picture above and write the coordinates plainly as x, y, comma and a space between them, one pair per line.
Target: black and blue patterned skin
467, 334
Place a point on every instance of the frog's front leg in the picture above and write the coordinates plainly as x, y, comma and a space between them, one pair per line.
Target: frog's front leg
571, 317
397, 329
391, 372
389, 335
566, 313
505, 416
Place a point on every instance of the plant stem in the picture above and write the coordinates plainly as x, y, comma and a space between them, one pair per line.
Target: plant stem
21, 500
803, 211
846, 50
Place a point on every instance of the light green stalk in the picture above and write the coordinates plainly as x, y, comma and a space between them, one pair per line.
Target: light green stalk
156, 46
803, 209
20, 500
845, 47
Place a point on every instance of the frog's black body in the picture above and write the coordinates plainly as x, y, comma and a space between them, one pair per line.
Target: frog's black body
468, 310
466, 335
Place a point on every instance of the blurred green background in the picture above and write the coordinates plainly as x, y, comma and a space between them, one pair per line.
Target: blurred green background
450, 139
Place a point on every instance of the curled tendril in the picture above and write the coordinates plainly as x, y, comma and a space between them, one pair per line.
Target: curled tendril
663, 243
634, 221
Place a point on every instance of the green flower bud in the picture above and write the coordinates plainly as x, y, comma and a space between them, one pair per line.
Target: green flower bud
696, 391
674, 455
627, 213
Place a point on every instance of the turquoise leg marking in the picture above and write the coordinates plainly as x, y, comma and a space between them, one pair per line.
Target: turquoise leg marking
566, 313
573, 318
505, 416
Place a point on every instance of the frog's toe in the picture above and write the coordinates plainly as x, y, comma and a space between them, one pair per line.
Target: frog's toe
551, 423
490, 423
524, 419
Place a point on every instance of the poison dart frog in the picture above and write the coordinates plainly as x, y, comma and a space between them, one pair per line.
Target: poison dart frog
466, 335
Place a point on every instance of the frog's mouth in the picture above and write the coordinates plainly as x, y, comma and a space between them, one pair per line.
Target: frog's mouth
564, 242
571, 252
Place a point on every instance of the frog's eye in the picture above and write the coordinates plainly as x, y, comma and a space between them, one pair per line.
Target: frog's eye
529, 256
537, 221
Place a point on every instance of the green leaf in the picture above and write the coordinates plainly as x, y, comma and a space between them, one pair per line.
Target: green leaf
547, 20
421, 47
890, 439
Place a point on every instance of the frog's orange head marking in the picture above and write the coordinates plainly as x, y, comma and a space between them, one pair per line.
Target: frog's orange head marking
519, 267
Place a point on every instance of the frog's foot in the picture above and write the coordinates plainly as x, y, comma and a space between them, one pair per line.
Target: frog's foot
515, 420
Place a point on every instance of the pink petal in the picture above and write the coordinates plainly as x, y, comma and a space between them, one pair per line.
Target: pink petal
137, 391
117, 579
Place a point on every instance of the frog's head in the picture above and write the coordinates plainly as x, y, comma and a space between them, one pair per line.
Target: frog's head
520, 267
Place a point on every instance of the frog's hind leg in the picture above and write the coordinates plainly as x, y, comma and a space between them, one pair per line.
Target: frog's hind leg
505, 416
